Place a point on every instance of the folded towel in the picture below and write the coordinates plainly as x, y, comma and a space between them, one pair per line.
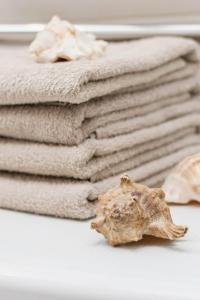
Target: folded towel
127, 64
151, 119
82, 162
74, 199
15, 158
72, 124
156, 153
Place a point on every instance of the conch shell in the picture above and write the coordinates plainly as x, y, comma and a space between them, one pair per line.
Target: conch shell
61, 40
182, 185
127, 212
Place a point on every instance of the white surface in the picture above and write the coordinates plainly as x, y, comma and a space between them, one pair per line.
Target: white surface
49, 258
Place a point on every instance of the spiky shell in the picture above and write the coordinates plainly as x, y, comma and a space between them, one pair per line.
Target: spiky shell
127, 212
182, 185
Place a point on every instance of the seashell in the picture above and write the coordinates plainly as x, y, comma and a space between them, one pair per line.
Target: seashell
131, 210
182, 185
61, 40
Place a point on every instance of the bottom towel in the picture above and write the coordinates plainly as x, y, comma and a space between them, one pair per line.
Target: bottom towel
76, 199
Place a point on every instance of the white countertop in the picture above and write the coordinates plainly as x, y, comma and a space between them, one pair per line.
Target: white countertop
48, 258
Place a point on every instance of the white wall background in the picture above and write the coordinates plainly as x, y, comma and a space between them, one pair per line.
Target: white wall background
22, 11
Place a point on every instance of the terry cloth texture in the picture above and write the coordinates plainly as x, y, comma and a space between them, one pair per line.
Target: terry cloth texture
127, 64
72, 124
82, 163
69, 129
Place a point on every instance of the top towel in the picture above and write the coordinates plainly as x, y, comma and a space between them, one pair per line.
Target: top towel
126, 64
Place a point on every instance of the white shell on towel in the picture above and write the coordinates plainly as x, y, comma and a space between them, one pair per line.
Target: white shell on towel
182, 185
61, 40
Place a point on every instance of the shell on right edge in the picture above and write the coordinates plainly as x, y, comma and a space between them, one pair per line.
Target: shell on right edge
182, 185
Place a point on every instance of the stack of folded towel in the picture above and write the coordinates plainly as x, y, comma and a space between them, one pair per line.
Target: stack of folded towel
69, 129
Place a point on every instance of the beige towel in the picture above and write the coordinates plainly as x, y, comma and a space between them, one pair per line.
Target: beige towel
136, 161
154, 118
73, 199
16, 159
82, 162
124, 65
71, 124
